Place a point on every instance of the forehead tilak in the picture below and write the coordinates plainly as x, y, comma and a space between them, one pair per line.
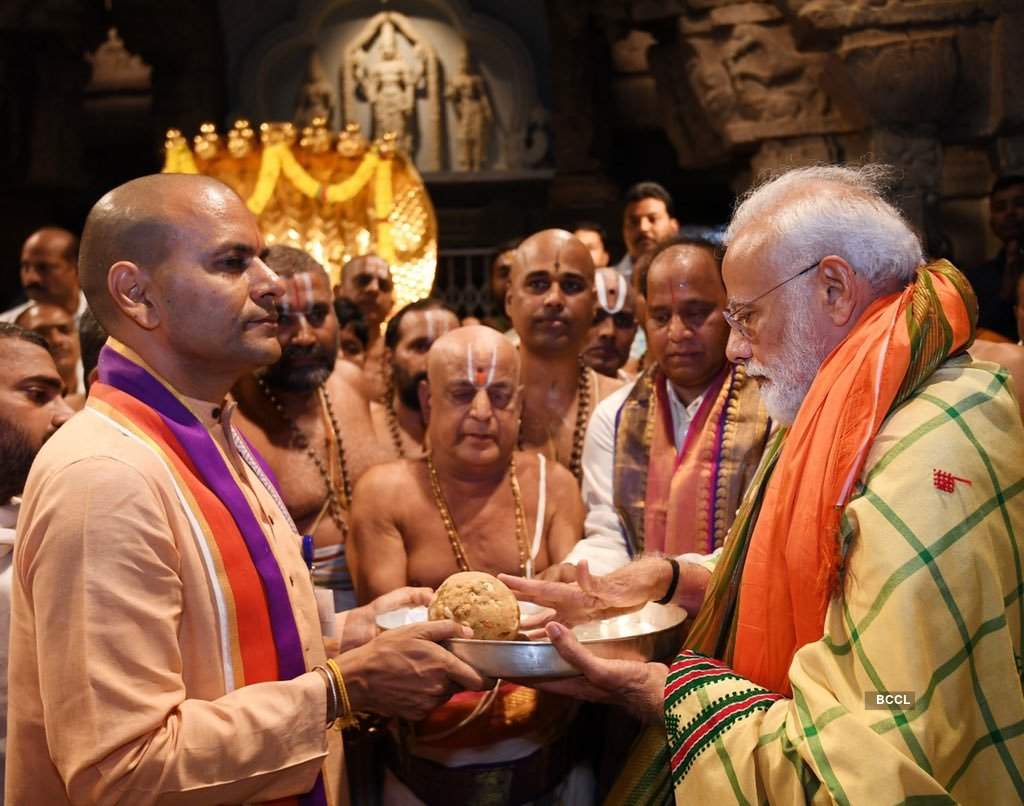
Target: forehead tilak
481, 375
299, 293
602, 292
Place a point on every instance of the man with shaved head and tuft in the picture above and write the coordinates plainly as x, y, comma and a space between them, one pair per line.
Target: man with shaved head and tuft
474, 503
307, 415
551, 302
165, 639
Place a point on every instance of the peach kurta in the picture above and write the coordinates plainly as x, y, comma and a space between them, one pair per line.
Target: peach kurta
117, 686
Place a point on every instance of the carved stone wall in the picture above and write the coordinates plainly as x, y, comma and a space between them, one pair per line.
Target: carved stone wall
931, 86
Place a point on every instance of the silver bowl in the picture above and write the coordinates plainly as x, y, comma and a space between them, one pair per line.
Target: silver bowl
653, 633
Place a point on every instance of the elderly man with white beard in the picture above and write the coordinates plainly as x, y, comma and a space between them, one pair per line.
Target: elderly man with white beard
860, 637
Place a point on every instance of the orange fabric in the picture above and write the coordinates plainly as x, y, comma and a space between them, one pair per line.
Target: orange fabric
674, 478
793, 557
253, 632
516, 711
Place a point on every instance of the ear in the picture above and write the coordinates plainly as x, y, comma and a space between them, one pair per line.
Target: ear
675, 225
129, 286
423, 390
841, 289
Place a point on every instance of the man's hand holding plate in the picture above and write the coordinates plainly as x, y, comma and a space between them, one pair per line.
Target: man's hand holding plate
637, 686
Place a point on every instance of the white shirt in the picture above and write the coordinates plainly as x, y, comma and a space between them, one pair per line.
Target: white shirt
13, 313
604, 545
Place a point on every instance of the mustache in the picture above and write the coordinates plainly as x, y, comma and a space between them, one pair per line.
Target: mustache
292, 352
555, 317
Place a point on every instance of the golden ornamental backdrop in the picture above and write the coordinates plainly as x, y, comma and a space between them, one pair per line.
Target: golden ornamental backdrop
335, 199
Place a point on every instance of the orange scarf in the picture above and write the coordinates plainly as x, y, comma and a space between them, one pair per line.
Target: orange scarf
792, 566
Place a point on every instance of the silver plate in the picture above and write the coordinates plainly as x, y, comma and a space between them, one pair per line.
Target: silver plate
652, 633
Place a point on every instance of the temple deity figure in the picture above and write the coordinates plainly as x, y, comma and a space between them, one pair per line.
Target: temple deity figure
315, 97
473, 116
389, 84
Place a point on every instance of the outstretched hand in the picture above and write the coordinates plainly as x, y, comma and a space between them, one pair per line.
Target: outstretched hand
591, 597
637, 686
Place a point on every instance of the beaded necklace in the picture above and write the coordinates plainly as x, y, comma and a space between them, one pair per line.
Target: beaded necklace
337, 498
449, 522
396, 434
579, 431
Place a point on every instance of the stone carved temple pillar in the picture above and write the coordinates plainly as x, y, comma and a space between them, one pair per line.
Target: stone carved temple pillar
932, 87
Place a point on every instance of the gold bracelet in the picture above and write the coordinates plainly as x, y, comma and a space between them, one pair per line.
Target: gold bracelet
346, 719
333, 697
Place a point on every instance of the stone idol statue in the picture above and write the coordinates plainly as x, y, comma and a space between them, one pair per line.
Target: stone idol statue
315, 99
394, 70
389, 84
473, 116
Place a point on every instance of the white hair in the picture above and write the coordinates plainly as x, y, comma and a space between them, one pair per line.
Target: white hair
833, 210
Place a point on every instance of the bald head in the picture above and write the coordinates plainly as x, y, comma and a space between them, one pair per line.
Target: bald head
367, 281
472, 400
550, 248
142, 222
476, 353
551, 295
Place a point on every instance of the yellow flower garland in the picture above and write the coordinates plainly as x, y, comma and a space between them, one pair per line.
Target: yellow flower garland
278, 158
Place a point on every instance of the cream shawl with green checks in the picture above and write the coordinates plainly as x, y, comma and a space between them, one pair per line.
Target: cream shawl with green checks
931, 604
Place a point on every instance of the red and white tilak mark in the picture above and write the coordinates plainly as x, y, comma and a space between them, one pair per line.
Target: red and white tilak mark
298, 296
602, 293
946, 481
479, 375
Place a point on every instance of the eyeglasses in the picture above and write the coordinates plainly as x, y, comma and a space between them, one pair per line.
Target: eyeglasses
736, 315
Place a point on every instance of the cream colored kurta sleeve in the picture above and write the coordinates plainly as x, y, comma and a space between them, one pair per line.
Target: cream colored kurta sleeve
120, 694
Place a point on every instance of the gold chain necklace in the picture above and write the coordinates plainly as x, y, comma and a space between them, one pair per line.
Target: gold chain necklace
337, 499
449, 522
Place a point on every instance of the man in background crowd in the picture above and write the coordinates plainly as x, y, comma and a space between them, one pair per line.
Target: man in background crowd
31, 410
367, 281
313, 429
648, 219
58, 328
49, 272
501, 270
611, 335
398, 420
551, 301
353, 336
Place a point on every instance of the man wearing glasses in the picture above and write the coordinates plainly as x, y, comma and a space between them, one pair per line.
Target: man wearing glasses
367, 281
860, 636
